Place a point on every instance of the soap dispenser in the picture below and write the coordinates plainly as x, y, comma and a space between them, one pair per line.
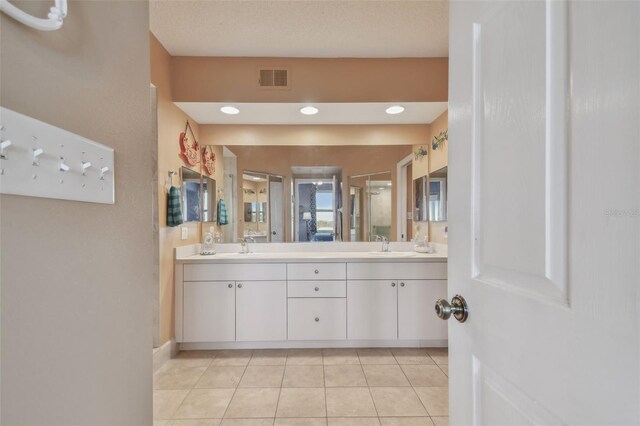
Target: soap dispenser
207, 246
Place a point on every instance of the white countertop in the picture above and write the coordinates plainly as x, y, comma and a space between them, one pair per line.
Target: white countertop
189, 255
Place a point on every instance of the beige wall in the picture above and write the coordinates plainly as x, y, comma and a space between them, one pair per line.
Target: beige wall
353, 160
209, 79
315, 135
77, 277
171, 122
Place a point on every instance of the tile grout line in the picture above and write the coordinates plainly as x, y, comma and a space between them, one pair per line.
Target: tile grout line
236, 389
284, 371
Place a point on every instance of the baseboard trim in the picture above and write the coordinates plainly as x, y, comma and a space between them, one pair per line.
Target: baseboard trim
315, 344
164, 353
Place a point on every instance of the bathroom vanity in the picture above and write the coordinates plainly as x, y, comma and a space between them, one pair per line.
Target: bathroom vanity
312, 297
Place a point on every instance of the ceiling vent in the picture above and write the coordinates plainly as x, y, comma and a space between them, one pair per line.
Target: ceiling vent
273, 78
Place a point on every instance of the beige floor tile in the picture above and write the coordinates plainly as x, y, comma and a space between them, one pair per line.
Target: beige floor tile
385, 375
204, 404
340, 356
440, 421
189, 361
397, 402
435, 399
238, 358
302, 402
411, 356
440, 359
444, 368
437, 351
304, 357
354, 421
220, 377
406, 421
376, 356
344, 375
166, 402
269, 357
195, 422
262, 376
247, 422
425, 375
161, 423
303, 376
174, 377
203, 354
281, 421
253, 402
349, 402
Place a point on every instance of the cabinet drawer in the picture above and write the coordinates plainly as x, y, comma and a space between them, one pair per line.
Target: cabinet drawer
397, 271
317, 319
317, 289
317, 271
235, 272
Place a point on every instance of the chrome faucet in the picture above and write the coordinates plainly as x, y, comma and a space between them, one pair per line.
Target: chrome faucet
244, 243
385, 243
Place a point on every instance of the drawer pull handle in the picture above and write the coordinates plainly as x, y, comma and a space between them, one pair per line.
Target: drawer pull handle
239, 285
230, 285
393, 284
316, 271
317, 289
317, 319
401, 284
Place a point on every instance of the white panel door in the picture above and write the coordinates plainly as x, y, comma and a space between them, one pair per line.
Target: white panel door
372, 310
544, 171
209, 311
261, 311
416, 320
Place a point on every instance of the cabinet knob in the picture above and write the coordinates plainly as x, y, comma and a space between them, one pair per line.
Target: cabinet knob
401, 284
239, 285
393, 284
230, 286
317, 319
316, 271
317, 289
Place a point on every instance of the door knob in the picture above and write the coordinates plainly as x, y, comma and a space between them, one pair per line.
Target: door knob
458, 308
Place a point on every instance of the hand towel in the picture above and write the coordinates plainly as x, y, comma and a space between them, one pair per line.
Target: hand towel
222, 213
174, 210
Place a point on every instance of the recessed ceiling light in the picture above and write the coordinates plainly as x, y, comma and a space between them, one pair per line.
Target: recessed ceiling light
231, 110
388, 183
396, 109
309, 110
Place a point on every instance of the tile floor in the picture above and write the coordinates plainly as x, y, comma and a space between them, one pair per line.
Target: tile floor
297, 387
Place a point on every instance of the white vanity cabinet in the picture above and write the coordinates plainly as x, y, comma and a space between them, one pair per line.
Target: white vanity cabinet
211, 316
261, 311
300, 302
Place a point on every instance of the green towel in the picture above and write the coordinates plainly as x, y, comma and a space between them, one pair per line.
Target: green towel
222, 213
174, 211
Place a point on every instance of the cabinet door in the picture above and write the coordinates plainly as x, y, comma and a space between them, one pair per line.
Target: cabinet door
261, 311
372, 310
209, 311
416, 318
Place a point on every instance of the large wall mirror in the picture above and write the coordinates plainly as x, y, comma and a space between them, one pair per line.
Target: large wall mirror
438, 195
191, 195
297, 193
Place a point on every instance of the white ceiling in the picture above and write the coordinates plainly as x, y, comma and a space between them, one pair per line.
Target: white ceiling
330, 113
269, 28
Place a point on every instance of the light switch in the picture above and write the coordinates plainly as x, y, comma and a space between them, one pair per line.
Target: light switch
185, 232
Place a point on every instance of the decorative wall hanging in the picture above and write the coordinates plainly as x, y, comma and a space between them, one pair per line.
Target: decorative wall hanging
439, 140
249, 191
208, 160
263, 191
421, 152
189, 150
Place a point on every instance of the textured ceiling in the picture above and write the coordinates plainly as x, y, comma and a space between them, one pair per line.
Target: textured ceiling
346, 28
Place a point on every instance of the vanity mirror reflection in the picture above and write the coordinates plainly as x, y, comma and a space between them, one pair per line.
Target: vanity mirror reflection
317, 193
438, 195
190, 194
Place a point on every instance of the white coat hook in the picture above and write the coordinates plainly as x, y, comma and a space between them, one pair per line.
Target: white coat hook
103, 170
85, 166
56, 15
3, 148
63, 166
37, 152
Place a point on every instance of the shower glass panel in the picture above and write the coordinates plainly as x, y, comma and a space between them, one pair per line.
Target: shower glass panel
370, 197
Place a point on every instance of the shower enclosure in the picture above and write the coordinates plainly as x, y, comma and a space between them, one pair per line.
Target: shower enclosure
370, 204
